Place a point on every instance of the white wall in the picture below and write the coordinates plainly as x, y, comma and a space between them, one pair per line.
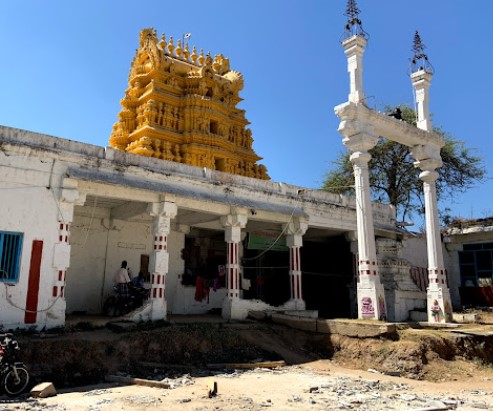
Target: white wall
99, 245
127, 241
89, 236
27, 206
414, 251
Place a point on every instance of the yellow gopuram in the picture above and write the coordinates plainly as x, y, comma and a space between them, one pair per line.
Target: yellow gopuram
181, 106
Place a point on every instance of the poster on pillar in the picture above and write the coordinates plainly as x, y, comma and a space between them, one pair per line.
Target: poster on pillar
439, 306
371, 304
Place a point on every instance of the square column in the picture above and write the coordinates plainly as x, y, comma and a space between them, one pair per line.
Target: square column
69, 197
354, 48
163, 213
233, 224
295, 231
421, 82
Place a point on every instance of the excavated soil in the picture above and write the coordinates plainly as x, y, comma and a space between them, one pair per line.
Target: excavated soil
81, 357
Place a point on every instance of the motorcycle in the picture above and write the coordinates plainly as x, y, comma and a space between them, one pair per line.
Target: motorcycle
116, 305
14, 377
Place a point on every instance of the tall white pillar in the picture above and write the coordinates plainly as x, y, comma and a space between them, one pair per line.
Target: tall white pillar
428, 159
295, 231
354, 48
370, 292
163, 212
438, 294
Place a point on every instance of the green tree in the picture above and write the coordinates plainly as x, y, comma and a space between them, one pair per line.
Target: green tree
395, 180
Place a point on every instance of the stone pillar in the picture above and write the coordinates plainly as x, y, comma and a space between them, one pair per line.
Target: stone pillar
295, 231
428, 159
354, 48
421, 82
69, 197
162, 212
370, 292
233, 223
438, 294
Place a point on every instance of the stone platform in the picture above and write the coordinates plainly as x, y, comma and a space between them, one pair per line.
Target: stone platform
347, 327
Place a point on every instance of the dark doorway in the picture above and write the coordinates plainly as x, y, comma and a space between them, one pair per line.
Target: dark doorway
327, 275
268, 274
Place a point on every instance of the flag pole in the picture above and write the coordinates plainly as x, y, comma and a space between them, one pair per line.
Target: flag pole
185, 36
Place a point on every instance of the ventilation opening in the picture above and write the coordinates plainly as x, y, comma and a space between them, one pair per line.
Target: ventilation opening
214, 126
220, 164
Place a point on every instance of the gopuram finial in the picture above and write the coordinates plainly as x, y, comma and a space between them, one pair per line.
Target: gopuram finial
420, 60
354, 26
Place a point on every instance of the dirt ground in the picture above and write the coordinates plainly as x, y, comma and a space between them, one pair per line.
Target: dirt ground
415, 369
319, 385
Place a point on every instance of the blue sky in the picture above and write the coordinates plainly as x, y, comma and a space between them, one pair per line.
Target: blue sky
65, 66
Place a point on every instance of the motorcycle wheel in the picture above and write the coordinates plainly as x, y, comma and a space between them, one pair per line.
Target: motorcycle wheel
13, 386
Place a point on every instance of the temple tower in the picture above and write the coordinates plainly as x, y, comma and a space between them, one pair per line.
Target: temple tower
182, 106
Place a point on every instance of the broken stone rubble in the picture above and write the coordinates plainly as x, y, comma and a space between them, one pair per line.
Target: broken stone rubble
328, 392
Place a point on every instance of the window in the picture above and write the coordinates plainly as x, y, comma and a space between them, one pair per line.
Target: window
10, 255
476, 265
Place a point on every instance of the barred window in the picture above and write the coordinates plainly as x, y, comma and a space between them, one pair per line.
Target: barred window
476, 265
10, 255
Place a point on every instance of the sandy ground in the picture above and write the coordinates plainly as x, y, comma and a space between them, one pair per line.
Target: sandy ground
319, 385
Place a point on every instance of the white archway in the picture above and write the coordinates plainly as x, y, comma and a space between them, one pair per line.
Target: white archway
361, 128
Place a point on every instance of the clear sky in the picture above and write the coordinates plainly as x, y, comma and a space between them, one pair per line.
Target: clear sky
65, 64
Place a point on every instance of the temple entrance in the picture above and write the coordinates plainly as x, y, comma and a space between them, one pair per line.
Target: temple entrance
328, 277
204, 256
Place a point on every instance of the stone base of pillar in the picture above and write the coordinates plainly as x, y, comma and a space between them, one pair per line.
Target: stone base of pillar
233, 309
371, 303
295, 304
55, 317
159, 310
439, 305
141, 314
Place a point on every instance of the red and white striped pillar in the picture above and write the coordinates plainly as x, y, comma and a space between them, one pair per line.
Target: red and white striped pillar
295, 231
63, 239
69, 197
162, 212
233, 223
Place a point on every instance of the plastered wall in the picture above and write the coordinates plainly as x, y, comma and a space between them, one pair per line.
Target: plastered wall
39, 223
